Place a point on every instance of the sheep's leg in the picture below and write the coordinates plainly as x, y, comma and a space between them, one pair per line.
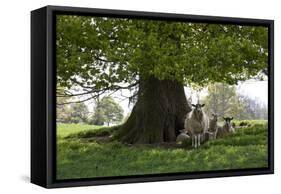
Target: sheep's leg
195, 141
192, 140
211, 135
199, 139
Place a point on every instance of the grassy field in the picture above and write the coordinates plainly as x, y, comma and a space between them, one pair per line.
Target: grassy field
83, 151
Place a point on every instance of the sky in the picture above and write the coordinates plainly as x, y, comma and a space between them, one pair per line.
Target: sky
257, 90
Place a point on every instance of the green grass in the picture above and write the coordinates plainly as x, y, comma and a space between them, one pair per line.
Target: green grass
93, 131
249, 122
79, 158
64, 130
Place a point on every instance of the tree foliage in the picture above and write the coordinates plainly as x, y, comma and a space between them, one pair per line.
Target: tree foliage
223, 100
254, 108
107, 111
71, 113
101, 53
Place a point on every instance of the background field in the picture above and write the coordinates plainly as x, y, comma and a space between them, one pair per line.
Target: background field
85, 151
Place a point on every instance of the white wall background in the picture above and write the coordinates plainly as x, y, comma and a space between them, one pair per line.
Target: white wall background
15, 94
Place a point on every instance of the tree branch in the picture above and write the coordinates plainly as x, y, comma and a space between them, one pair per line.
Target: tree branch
99, 92
80, 101
112, 87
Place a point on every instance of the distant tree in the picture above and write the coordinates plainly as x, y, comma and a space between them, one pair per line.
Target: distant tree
98, 117
255, 109
237, 109
224, 100
107, 111
62, 110
78, 112
71, 112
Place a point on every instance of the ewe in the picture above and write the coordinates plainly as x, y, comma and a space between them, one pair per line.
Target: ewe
213, 126
226, 128
196, 123
182, 136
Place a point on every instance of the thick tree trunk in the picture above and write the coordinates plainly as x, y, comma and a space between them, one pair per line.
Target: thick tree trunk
158, 114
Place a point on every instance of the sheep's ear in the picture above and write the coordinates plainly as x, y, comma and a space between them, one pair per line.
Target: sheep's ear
223, 118
202, 105
231, 118
193, 105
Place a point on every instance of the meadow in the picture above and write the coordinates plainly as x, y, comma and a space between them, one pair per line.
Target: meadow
87, 151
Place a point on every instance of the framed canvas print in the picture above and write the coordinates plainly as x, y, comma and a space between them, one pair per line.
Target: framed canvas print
126, 96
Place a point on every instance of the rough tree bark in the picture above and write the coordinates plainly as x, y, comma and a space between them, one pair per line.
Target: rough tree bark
158, 114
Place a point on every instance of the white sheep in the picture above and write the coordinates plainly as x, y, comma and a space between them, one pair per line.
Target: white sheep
213, 126
226, 128
196, 123
182, 136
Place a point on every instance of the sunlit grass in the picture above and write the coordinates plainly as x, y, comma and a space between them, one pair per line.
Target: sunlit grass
64, 130
79, 158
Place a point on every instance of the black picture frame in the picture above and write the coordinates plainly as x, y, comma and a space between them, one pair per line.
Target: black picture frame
43, 84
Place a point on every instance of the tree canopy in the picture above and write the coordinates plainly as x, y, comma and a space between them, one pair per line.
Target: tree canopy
101, 53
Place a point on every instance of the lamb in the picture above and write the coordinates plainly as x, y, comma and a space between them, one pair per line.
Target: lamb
196, 123
182, 136
226, 128
213, 126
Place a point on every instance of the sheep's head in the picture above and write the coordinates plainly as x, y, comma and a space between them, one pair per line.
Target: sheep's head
214, 117
183, 131
198, 109
228, 121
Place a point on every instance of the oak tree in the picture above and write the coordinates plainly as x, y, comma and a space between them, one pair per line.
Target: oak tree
155, 59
